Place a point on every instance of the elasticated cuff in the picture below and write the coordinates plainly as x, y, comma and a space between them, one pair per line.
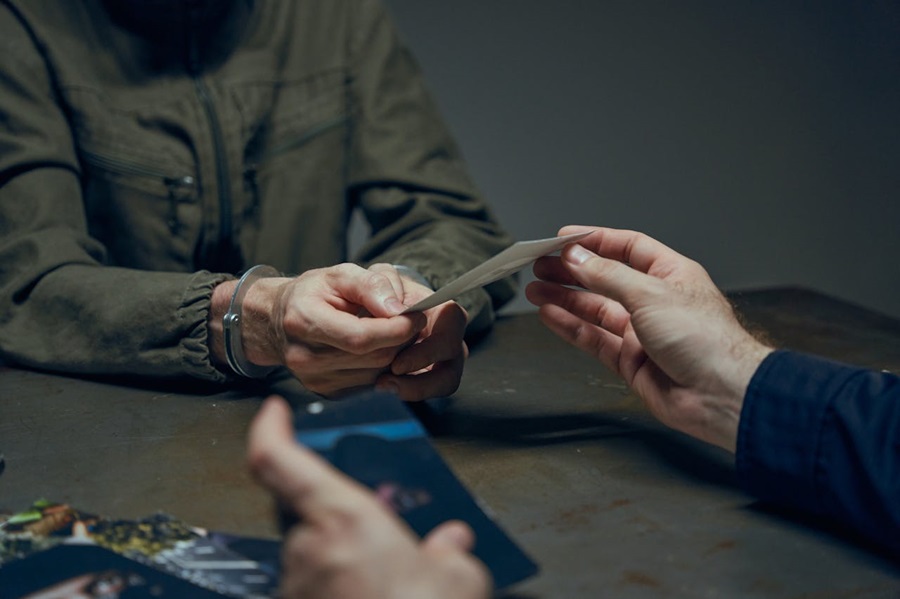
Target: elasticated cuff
194, 313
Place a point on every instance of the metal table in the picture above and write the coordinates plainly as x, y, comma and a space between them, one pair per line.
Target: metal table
610, 503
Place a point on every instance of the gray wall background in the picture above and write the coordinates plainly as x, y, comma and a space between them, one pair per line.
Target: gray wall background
760, 138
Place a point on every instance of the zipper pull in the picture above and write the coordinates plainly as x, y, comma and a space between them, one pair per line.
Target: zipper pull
174, 185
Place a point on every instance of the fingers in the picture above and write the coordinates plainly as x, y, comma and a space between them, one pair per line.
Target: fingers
432, 367
342, 382
439, 380
370, 289
322, 325
327, 343
388, 271
623, 265
588, 306
452, 535
551, 268
635, 249
322, 307
297, 476
449, 545
346, 543
323, 358
592, 339
441, 341
610, 277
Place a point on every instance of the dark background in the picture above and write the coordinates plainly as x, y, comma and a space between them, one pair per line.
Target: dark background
760, 138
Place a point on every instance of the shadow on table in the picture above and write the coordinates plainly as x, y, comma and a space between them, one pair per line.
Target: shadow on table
692, 459
233, 389
821, 526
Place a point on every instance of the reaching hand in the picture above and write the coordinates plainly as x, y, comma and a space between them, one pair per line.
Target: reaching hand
347, 545
656, 319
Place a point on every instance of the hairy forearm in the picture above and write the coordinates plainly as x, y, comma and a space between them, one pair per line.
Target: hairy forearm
259, 323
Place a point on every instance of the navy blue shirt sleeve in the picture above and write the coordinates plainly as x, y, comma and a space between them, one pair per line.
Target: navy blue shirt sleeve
824, 437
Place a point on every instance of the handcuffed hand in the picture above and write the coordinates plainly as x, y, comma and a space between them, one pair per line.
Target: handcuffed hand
340, 328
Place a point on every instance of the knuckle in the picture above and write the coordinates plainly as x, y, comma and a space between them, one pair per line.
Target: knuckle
259, 461
384, 357
340, 271
345, 268
374, 281
299, 359
381, 267
297, 323
356, 341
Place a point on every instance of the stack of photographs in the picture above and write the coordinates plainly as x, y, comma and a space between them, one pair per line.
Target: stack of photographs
55, 550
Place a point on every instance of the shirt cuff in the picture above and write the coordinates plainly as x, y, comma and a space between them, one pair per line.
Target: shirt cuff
778, 455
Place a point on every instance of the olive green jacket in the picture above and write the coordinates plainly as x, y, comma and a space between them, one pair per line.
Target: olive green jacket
147, 155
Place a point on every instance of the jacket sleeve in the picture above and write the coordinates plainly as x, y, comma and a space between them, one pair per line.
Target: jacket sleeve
824, 438
61, 306
408, 175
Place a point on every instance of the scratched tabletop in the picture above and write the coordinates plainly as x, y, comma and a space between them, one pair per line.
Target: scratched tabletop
610, 503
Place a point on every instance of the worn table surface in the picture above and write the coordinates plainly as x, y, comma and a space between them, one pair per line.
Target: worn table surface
610, 503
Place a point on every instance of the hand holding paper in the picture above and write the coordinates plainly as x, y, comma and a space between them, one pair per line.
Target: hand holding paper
510, 260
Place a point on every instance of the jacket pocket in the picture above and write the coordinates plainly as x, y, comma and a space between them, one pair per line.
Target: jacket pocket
147, 216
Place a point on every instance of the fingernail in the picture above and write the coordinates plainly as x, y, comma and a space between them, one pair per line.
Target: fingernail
577, 254
394, 305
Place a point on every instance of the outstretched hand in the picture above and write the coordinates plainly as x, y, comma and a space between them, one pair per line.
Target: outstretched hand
655, 318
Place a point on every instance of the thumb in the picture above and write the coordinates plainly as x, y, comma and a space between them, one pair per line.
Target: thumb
369, 289
453, 535
609, 278
294, 474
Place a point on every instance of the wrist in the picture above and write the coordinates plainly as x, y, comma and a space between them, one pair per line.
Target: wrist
239, 323
263, 333
723, 413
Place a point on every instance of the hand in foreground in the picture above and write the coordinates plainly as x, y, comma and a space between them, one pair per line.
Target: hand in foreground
655, 318
433, 365
347, 545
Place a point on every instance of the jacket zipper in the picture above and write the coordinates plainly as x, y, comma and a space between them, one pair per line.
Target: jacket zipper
173, 184
223, 249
